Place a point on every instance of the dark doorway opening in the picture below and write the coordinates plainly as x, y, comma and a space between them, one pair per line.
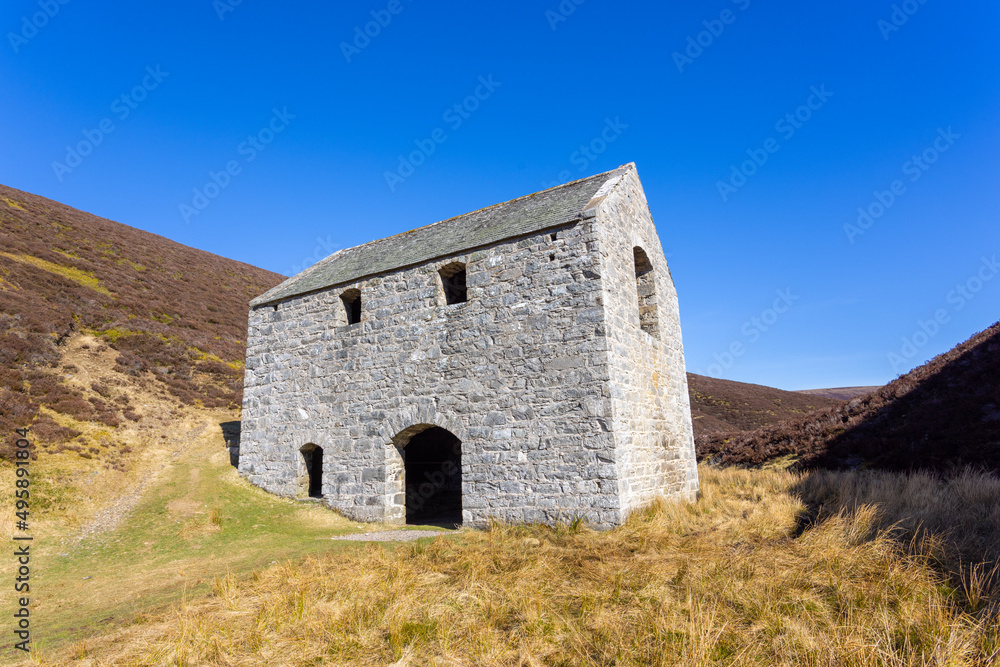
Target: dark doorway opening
314, 468
432, 463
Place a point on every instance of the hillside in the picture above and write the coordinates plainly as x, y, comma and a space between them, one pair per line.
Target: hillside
839, 393
724, 406
175, 317
943, 414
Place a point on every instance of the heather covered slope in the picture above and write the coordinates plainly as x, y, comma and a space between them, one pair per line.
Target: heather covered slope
943, 414
839, 393
724, 406
173, 314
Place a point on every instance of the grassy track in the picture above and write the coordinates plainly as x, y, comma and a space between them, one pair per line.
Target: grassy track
197, 520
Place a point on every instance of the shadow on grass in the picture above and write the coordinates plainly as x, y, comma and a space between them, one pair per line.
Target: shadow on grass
952, 519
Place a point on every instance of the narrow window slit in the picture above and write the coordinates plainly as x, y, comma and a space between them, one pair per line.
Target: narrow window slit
645, 287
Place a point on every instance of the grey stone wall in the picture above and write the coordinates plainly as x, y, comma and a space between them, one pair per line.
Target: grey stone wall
564, 406
654, 443
519, 373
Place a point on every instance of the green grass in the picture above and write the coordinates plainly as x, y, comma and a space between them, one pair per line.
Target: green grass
198, 522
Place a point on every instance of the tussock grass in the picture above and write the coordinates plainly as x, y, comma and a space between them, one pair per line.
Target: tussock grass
741, 577
953, 519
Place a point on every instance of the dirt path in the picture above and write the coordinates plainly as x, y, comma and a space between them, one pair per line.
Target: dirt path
109, 518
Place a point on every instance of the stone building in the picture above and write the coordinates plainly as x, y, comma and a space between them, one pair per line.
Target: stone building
522, 362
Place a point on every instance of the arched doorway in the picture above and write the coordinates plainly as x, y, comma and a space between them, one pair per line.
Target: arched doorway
312, 481
432, 475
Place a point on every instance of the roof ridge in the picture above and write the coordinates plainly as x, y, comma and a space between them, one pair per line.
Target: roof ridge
480, 210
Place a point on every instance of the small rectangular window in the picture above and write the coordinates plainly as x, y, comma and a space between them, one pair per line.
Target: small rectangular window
352, 305
453, 282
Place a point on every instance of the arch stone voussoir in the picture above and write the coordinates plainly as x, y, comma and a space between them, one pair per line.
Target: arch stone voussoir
403, 437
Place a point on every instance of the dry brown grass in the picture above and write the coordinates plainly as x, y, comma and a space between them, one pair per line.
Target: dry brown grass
954, 520
131, 545
736, 578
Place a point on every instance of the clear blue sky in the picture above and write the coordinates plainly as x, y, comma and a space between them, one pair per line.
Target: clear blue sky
599, 75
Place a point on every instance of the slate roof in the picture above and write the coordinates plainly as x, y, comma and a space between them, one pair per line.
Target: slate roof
517, 217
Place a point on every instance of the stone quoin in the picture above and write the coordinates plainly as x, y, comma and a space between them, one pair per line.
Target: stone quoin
521, 363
